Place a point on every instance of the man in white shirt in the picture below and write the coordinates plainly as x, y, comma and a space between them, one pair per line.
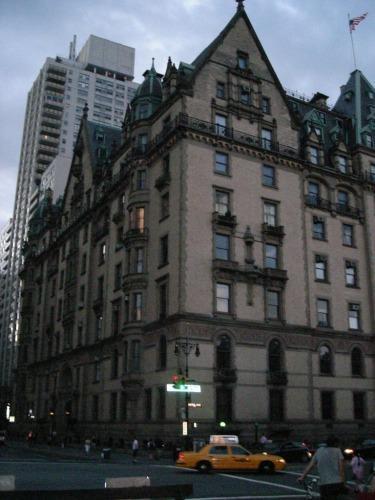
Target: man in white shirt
331, 468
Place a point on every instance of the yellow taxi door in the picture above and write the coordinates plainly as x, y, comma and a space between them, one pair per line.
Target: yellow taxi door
219, 457
241, 458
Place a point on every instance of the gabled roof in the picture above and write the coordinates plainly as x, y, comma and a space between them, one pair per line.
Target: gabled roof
205, 55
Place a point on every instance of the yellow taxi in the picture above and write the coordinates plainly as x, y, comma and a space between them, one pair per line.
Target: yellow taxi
228, 456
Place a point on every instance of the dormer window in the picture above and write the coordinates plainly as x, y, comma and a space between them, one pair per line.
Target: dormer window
314, 155
245, 97
342, 164
367, 140
143, 111
242, 60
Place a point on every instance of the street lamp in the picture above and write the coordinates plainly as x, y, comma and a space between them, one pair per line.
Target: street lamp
185, 347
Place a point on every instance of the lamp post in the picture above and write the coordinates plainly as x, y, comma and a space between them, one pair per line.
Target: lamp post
185, 347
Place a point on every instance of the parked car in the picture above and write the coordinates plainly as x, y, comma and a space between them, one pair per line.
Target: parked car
367, 448
229, 457
291, 451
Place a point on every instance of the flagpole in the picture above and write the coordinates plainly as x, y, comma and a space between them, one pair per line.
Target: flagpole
351, 37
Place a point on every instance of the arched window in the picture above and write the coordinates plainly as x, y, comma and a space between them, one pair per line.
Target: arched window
325, 360
162, 352
275, 356
357, 362
114, 368
223, 353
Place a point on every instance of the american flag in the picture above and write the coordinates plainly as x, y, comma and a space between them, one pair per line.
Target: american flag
355, 21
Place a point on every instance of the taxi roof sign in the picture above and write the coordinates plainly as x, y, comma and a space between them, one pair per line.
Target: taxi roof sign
224, 439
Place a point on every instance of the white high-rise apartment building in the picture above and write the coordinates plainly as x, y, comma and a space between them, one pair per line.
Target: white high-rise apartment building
101, 76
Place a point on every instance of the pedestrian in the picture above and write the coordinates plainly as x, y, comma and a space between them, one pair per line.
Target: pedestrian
87, 446
135, 448
151, 448
331, 468
358, 467
263, 439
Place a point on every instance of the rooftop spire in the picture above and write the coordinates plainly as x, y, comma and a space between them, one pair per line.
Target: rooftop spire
240, 5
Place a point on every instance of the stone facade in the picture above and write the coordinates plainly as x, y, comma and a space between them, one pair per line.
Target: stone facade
229, 220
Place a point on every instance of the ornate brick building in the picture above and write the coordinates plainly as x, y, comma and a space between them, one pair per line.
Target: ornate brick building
228, 216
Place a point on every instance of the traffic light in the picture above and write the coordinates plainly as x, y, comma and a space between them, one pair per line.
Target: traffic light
179, 381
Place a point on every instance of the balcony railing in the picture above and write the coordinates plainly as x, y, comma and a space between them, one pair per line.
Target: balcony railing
273, 230
317, 202
344, 209
227, 219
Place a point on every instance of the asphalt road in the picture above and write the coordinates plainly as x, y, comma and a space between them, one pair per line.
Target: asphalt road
53, 468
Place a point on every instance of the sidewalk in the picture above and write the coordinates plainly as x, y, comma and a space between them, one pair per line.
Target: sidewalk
77, 452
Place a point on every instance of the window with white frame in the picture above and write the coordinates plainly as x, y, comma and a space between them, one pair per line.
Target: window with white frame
342, 164
351, 276
272, 304
321, 268
348, 235
223, 297
266, 136
222, 202
323, 312
222, 246
221, 163
271, 256
270, 213
354, 316
314, 155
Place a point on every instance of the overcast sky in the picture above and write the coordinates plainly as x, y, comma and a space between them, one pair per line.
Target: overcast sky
307, 42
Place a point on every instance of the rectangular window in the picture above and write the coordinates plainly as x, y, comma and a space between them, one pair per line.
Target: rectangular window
313, 192
343, 199
102, 253
61, 279
327, 405
359, 405
266, 136
268, 176
221, 163
140, 219
224, 402
148, 404
276, 405
348, 235
164, 250
342, 164
113, 409
222, 246
242, 60
135, 356
245, 96
220, 90
82, 295
163, 300
161, 403
116, 318
124, 406
265, 105
141, 179
354, 316
350, 274
221, 202
270, 213
314, 155
118, 276
83, 263
95, 408
272, 304
143, 111
221, 125
97, 370
98, 327
139, 260
323, 312
320, 268
137, 307
319, 231
222, 297
164, 206
100, 289
271, 256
